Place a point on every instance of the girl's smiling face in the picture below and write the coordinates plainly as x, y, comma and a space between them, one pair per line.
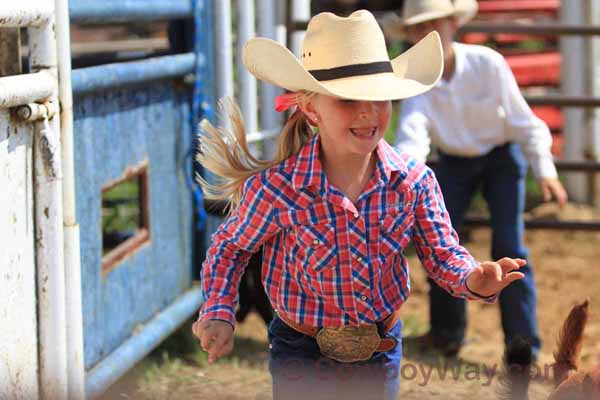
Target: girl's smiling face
349, 127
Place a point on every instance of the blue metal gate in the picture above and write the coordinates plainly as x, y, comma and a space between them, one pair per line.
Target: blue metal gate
131, 116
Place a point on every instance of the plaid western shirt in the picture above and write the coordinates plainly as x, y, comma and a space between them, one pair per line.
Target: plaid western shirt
329, 262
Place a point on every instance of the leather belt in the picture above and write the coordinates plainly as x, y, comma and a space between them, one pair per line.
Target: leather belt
385, 343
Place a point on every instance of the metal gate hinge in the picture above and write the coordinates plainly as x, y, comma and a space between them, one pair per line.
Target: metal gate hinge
36, 111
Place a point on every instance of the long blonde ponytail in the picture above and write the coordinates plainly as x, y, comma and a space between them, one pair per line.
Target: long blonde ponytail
224, 150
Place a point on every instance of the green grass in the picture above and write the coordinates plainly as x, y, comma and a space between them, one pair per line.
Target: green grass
121, 207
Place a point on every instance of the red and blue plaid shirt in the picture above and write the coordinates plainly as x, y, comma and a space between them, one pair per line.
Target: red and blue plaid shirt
329, 262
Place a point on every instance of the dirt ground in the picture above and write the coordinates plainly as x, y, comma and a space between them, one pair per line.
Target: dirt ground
567, 268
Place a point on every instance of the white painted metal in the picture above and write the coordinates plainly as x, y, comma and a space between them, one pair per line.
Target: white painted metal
593, 83
265, 134
573, 84
246, 94
269, 118
25, 13
300, 12
223, 52
49, 228
280, 23
18, 326
74, 321
22, 89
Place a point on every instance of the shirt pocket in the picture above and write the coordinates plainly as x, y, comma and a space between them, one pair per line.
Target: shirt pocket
316, 245
395, 231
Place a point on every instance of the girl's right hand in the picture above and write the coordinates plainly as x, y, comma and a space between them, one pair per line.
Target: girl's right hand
216, 337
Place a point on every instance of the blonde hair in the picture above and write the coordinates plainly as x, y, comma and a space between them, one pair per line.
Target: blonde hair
224, 150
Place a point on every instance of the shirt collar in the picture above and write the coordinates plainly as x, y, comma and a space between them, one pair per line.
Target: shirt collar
308, 170
388, 161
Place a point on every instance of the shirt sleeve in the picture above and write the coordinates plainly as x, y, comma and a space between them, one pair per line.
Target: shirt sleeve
524, 126
437, 244
412, 133
231, 247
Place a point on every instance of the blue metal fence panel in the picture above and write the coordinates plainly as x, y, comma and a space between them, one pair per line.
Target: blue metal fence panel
105, 11
118, 75
115, 129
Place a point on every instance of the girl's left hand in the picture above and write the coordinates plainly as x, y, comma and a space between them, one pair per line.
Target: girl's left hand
491, 277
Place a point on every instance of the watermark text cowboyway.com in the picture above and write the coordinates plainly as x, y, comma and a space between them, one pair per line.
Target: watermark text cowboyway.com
420, 373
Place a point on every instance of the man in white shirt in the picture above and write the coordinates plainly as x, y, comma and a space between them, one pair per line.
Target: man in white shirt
482, 127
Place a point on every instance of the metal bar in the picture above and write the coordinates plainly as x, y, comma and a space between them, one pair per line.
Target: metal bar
573, 84
150, 44
73, 295
25, 13
563, 101
542, 224
299, 11
103, 77
49, 239
592, 116
110, 369
530, 29
223, 51
269, 118
23, 89
18, 308
253, 137
588, 166
246, 82
111, 11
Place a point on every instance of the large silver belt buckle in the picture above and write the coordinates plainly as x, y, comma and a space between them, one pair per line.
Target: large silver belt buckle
349, 343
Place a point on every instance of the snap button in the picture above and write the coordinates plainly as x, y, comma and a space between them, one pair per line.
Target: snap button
364, 298
356, 215
315, 242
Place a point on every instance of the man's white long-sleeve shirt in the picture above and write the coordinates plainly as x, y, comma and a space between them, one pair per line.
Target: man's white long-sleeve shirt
479, 108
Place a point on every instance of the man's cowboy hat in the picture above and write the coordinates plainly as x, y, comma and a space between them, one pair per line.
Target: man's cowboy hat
418, 11
347, 58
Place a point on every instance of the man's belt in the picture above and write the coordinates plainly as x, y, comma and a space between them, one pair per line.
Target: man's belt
349, 343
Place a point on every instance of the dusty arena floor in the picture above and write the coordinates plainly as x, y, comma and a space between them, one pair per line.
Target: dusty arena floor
567, 266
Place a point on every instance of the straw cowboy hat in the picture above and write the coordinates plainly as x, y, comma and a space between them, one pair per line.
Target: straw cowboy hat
347, 58
418, 11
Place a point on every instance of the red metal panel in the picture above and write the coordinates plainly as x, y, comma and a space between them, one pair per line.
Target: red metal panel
558, 143
551, 115
536, 69
492, 6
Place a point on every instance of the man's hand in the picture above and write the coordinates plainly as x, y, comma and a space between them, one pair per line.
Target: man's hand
216, 337
491, 277
552, 188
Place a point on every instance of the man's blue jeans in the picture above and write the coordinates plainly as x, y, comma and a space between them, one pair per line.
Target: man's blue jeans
500, 175
299, 371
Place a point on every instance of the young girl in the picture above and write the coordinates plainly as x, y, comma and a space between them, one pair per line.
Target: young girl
334, 211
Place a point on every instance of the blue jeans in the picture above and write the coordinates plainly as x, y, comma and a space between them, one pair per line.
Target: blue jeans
299, 371
500, 175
